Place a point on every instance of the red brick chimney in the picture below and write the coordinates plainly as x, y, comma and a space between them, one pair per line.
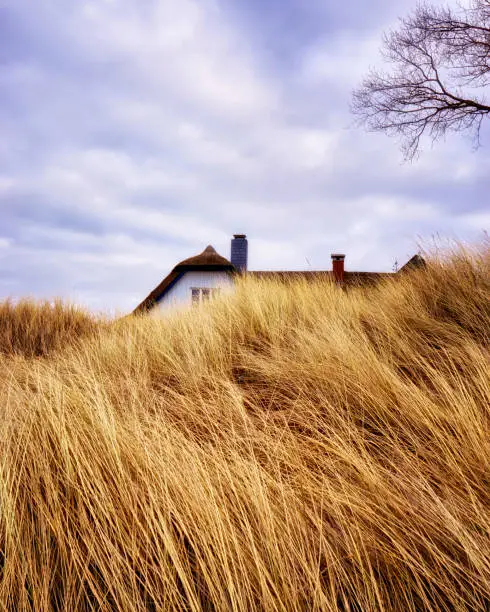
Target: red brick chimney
338, 267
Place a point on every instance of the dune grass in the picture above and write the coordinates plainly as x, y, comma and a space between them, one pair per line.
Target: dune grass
35, 329
288, 448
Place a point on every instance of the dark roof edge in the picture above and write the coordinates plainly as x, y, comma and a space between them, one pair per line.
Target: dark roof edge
417, 261
169, 281
313, 272
204, 268
152, 298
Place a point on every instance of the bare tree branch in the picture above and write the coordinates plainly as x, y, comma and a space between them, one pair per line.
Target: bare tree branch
441, 70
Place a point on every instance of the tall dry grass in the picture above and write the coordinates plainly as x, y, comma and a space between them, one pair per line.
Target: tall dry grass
35, 329
290, 448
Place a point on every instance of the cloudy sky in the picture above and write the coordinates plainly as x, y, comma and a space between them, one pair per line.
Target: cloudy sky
135, 132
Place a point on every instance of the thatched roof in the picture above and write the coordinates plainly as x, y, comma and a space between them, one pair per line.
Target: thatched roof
207, 261
350, 278
415, 262
209, 258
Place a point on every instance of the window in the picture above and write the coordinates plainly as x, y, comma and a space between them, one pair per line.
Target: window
202, 295
196, 296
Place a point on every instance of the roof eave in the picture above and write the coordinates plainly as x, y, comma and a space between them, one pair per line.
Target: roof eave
175, 275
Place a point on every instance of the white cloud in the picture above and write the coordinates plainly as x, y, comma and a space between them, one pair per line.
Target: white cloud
183, 45
340, 59
159, 128
476, 221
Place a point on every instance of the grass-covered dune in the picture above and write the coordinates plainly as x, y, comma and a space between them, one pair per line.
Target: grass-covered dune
288, 448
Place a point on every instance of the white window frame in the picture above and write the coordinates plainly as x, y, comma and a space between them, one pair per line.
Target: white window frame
202, 295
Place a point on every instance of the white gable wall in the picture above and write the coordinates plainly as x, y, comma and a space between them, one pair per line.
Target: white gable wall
180, 294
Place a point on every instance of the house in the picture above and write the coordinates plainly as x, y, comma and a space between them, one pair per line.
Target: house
200, 278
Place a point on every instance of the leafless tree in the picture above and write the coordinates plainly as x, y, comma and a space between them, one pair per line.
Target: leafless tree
441, 69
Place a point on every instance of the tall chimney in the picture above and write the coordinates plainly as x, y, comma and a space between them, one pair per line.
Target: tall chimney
239, 252
338, 267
